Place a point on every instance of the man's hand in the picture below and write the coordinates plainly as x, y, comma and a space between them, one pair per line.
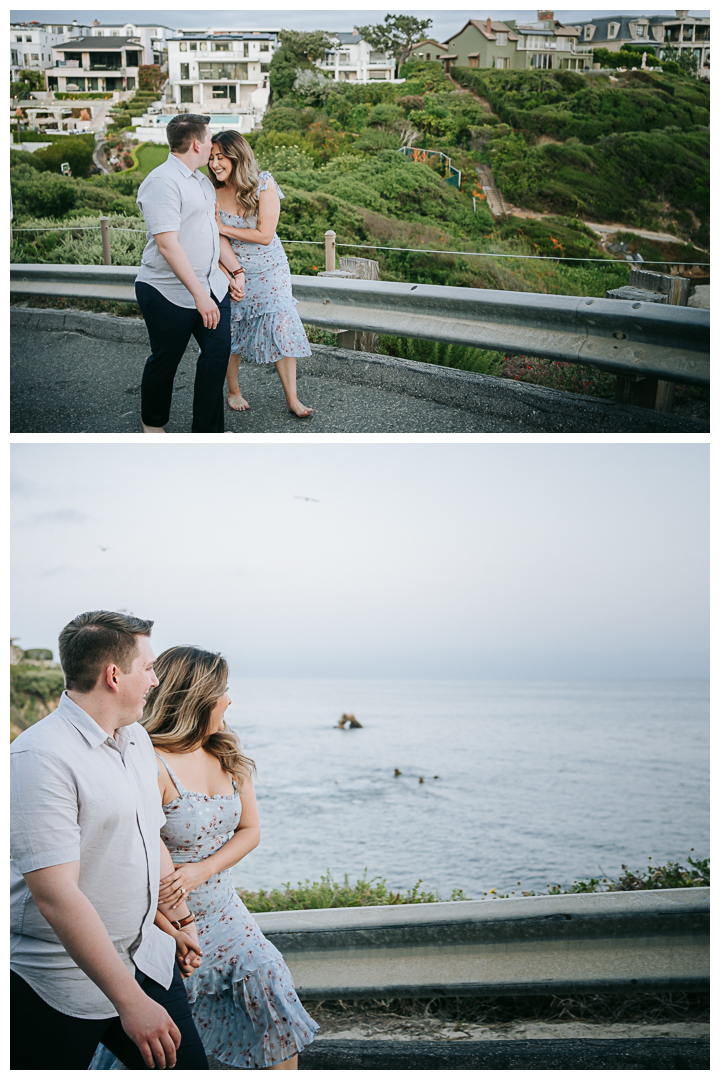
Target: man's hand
208, 309
153, 1031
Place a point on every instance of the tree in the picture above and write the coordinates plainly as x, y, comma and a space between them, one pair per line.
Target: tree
396, 35
151, 77
26, 82
298, 51
685, 59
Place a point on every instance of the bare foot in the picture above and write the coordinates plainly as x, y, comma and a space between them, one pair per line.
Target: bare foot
153, 430
238, 402
299, 410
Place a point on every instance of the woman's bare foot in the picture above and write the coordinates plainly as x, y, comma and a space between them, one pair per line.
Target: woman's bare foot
238, 402
153, 430
298, 409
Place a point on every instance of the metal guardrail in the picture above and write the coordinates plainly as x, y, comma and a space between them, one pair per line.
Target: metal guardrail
577, 943
621, 336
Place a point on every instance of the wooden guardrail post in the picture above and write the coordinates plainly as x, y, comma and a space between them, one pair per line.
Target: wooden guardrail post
647, 286
330, 249
105, 233
365, 270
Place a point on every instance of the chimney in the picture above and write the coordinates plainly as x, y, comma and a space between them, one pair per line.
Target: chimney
489, 26
546, 16
681, 14
95, 22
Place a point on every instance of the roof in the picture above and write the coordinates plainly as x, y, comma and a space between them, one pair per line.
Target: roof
346, 38
495, 27
429, 41
203, 35
104, 43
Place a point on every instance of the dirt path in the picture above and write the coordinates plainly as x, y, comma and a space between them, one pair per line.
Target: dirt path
605, 230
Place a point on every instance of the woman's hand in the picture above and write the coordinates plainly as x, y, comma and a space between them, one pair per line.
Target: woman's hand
175, 887
187, 953
218, 218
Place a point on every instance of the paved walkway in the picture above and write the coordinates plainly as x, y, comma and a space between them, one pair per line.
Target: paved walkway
80, 373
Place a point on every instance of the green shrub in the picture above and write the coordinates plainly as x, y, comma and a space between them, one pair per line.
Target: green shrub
328, 893
78, 245
35, 192
483, 361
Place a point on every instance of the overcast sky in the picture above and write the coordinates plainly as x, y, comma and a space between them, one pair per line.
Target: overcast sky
464, 560
325, 16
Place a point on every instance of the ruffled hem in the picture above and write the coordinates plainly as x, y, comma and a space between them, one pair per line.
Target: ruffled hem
259, 1021
266, 338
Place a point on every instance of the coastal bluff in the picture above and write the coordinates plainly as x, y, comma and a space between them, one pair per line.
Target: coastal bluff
36, 683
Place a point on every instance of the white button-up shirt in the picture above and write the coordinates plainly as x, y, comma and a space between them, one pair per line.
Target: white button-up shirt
79, 794
173, 198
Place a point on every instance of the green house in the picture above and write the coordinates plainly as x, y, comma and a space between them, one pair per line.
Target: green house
517, 46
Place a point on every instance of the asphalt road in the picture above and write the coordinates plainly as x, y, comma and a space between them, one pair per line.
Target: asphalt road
73, 372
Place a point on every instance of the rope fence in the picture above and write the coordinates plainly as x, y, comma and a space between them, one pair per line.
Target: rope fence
381, 247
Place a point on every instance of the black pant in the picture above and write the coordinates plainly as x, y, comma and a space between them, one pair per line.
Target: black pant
169, 328
43, 1038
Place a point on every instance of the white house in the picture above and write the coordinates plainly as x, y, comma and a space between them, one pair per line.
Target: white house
31, 43
221, 72
155, 35
354, 60
98, 63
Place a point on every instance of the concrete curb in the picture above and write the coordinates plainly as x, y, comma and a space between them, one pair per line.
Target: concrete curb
527, 407
565, 1054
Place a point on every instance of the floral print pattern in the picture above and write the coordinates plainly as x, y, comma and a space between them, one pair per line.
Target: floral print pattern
264, 325
242, 996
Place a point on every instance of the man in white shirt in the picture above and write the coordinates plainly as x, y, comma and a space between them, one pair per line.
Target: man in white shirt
88, 964
180, 287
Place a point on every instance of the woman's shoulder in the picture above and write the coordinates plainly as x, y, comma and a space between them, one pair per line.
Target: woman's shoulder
264, 181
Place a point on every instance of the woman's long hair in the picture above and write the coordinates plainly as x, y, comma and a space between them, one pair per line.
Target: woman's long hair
177, 713
244, 176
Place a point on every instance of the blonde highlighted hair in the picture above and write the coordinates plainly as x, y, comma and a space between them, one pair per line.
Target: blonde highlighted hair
244, 176
177, 713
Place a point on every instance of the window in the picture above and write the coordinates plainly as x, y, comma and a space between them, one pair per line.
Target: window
613, 28
220, 91
131, 82
640, 30
221, 46
246, 49
18, 37
93, 84
184, 71
34, 56
183, 46
132, 59
502, 39
502, 61
589, 31
193, 46
264, 68
186, 94
202, 46
541, 60
222, 71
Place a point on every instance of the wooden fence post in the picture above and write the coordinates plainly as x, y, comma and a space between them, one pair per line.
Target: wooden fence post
105, 234
330, 249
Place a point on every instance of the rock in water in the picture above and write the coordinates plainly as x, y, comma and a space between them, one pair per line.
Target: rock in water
349, 719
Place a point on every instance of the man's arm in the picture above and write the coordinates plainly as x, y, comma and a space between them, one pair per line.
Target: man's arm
77, 924
176, 258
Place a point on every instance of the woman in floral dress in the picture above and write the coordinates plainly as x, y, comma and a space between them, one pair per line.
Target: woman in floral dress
242, 995
265, 326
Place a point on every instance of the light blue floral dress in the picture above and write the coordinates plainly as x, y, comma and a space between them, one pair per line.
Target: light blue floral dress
264, 325
242, 996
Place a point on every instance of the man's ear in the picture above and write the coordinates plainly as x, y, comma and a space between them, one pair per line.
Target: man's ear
111, 678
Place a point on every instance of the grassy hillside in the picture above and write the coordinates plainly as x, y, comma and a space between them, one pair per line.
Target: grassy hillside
34, 692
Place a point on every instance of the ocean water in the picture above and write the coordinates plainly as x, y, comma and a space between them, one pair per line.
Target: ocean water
532, 782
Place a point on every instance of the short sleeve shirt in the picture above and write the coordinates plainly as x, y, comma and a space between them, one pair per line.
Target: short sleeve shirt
78, 794
173, 198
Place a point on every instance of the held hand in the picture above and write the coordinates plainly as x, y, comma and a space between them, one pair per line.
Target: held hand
183, 880
153, 1031
209, 311
237, 287
187, 953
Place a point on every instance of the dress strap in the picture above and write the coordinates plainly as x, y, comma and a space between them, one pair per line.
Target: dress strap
173, 777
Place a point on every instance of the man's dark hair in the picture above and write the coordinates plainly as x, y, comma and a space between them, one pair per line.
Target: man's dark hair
182, 131
95, 639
